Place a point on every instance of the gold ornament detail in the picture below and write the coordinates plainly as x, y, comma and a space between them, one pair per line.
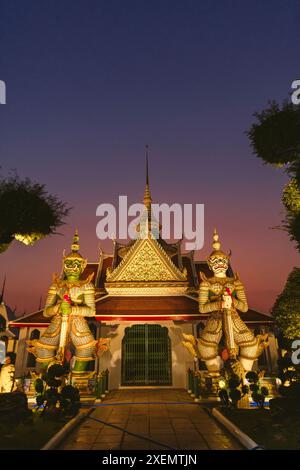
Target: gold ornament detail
145, 289
190, 343
146, 261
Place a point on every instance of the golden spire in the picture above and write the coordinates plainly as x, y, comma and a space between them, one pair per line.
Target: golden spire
217, 247
147, 196
75, 245
216, 242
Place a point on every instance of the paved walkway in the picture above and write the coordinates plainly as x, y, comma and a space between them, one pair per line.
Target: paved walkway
168, 419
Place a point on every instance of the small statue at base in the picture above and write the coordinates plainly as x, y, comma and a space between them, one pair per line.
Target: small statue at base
7, 376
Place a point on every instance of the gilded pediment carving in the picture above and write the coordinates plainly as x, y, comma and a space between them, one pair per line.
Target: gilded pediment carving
146, 261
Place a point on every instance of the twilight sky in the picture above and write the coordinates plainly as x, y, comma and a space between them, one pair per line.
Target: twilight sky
89, 83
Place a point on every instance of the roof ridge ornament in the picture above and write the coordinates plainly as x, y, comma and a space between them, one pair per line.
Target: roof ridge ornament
147, 195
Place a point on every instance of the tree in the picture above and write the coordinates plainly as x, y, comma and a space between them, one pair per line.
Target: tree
55, 402
232, 388
275, 138
291, 201
259, 393
28, 212
286, 309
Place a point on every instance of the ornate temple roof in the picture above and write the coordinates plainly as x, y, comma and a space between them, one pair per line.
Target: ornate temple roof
7, 315
146, 308
123, 294
147, 279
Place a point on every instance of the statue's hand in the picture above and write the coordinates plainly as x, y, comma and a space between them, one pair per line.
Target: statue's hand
56, 309
227, 301
65, 308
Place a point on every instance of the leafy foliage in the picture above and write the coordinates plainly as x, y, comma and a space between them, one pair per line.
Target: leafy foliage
293, 227
26, 208
288, 372
287, 406
234, 389
56, 403
275, 138
234, 381
251, 376
235, 395
291, 201
259, 393
291, 196
286, 310
39, 386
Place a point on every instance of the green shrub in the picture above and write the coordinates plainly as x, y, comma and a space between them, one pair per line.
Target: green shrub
259, 393
63, 403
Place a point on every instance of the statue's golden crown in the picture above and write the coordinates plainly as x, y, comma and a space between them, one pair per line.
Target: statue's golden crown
74, 254
217, 252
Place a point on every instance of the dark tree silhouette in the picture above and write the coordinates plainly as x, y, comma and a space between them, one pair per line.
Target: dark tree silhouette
27, 211
275, 138
287, 307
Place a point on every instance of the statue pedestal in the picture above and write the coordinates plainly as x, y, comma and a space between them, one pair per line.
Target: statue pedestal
209, 384
244, 402
84, 382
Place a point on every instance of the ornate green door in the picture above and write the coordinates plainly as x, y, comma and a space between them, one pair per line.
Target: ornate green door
146, 356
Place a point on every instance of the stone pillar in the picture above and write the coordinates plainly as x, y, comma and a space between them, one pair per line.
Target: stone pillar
181, 359
111, 359
273, 352
21, 358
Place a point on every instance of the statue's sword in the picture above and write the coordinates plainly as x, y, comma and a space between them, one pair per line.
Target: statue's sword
63, 333
229, 330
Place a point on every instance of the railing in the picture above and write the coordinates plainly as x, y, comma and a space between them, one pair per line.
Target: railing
101, 385
193, 381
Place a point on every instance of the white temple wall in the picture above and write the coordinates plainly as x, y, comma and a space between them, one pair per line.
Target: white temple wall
112, 359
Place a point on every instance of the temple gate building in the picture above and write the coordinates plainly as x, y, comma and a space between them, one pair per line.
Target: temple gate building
146, 297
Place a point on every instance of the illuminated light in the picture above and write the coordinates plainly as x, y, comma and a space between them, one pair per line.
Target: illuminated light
222, 383
28, 238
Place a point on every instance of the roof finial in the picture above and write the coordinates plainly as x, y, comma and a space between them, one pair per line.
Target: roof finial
147, 196
147, 170
2, 292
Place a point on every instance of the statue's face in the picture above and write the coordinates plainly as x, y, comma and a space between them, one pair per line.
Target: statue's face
218, 264
73, 267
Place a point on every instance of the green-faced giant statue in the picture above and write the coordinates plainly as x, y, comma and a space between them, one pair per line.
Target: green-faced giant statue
70, 299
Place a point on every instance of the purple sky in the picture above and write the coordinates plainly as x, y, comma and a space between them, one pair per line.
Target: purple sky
90, 83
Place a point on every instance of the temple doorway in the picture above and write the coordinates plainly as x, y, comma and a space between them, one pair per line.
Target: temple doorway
146, 356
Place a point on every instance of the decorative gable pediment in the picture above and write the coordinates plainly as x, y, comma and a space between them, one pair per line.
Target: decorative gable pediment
146, 261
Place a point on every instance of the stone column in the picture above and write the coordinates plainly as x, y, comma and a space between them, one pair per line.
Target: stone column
21, 358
